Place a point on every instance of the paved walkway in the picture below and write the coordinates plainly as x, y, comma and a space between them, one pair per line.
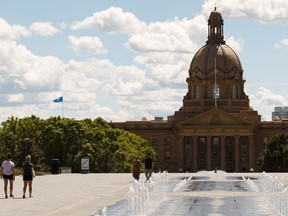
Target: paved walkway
86, 194
66, 194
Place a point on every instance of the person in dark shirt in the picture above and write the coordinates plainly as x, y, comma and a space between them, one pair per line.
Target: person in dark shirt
28, 175
148, 166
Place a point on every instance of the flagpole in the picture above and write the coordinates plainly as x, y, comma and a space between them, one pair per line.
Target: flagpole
215, 86
60, 100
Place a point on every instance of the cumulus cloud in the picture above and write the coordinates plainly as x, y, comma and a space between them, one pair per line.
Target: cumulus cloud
166, 49
153, 86
236, 44
197, 29
43, 28
15, 97
175, 34
170, 36
282, 44
262, 10
87, 44
112, 20
267, 97
134, 92
12, 32
22, 69
265, 100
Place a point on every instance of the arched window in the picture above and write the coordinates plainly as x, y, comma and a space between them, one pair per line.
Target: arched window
235, 91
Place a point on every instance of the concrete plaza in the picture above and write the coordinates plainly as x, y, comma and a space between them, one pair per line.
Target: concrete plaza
86, 194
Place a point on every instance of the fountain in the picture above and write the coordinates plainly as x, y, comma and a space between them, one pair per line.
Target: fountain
181, 184
267, 194
276, 192
145, 197
273, 190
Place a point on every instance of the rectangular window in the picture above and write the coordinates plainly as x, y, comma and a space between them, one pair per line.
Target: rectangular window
167, 155
215, 140
188, 156
167, 140
154, 141
202, 140
229, 156
243, 155
188, 140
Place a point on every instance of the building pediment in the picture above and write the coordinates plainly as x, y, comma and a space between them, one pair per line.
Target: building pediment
214, 117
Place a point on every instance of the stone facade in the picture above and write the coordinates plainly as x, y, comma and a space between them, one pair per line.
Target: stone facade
215, 127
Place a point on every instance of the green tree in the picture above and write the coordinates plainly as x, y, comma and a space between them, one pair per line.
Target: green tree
29, 135
274, 158
69, 140
8, 137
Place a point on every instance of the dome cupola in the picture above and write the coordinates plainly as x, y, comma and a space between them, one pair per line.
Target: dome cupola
215, 27
215, 73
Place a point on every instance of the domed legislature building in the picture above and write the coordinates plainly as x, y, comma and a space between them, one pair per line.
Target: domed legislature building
215, 127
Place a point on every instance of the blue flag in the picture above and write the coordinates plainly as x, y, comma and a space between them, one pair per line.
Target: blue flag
58, 100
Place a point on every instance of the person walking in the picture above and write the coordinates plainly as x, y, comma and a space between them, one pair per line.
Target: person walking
8, 174
148, 166
136, 168
28, 174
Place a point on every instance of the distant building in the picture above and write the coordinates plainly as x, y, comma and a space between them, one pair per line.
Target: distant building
280, 113
215, 127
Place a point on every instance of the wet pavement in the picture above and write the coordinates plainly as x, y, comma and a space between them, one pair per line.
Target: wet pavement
200, 194
208, 194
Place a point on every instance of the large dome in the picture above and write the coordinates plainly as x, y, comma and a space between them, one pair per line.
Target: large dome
215, 55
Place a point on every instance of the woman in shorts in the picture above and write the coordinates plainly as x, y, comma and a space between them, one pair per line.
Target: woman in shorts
28, 175
8, 174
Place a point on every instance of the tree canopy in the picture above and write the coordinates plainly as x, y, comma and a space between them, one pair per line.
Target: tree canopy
69, 140
274, 158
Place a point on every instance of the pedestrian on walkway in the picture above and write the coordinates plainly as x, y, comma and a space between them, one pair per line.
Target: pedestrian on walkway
148, 166
7, 168
136, 168
28, 174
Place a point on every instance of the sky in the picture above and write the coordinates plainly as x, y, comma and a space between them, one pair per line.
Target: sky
125, 60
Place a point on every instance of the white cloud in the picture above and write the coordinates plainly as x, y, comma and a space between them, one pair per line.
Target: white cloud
87, 44
170, 36
265, 100
15, 97
43, 28
268, 97
22, 69
166, 49
197, 29
262, 10
282, 44
12, 32
23, 111
93, 87
236, 44
113, 20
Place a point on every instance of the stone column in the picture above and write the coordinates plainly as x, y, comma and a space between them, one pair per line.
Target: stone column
195, 154
180, 153
208, 140
222, 152
237, 159
252, 159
